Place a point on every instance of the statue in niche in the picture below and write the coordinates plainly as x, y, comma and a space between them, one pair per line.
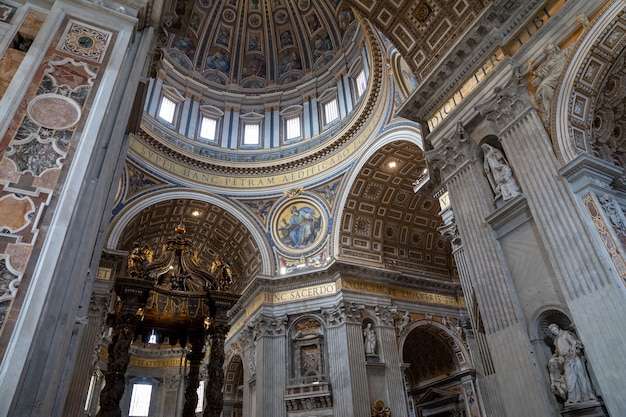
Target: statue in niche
499, 173
546, 78
369, 336
568, 374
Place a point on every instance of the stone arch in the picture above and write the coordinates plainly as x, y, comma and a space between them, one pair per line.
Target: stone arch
437, 368
460, 358
574, 121
381, 219
247, 225
233, 386
398, 134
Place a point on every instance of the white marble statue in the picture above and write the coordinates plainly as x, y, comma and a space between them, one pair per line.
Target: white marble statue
499, 173
370, 340
546, 78
567, 366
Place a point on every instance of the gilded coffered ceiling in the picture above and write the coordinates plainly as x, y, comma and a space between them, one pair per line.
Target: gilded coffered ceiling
213, 231
385, 222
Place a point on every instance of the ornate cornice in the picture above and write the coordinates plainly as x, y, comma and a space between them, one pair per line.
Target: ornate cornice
487, 32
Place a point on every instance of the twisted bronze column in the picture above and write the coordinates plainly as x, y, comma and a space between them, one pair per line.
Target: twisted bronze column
215, 370
124, 326
193, 380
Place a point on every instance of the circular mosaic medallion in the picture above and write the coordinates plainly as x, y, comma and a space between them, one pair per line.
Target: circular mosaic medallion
54, 111
299, 225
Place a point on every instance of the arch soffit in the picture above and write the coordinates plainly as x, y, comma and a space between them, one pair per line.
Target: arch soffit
234, 370
395, 135
584, 75
128, 213
462, 358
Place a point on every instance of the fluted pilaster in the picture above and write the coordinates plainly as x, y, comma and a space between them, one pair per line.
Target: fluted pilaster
348, 376
393, 372
271, 357
506, 333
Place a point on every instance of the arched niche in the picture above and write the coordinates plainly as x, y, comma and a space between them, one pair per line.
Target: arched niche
307, 359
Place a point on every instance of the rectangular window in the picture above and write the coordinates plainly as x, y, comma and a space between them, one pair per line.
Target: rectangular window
293, 127
251, 134
167, 110
331, 111
361, 83
200, 393
140, 400
208, 127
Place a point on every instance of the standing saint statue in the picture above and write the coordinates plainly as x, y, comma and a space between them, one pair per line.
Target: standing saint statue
499, 173
370, 340
567, 368
546, 78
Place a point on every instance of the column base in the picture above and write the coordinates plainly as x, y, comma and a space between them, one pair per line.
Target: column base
585, 409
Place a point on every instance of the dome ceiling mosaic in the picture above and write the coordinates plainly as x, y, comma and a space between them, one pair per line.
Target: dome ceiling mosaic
260, 43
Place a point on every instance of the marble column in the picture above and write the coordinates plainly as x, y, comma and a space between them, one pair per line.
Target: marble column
271, 374
87, 355
587, 278
348, 375
396, 391
503, 321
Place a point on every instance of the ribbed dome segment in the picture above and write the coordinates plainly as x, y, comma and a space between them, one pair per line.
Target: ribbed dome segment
262, 43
